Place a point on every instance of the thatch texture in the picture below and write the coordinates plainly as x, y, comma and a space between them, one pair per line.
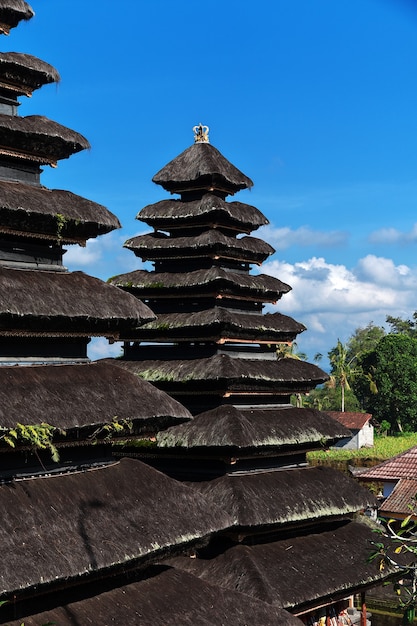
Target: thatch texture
54, 213
12, 12
296, 496
228, 427
217, 324
168, 598
211, 282
75, 397
212, 244
209, 210
222, 372
298, 572
203, 167
36, 138
23, 73
65, 303
57, 529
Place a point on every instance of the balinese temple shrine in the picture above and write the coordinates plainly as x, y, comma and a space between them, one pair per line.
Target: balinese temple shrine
298, 538
84, 535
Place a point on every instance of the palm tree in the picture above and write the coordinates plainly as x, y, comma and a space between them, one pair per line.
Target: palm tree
342, 369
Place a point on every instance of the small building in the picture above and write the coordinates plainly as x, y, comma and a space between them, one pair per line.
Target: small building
398, 479
361, 425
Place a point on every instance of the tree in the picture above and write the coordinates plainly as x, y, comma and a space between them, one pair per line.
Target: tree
364, 340
392, 366
342, 369
404, 327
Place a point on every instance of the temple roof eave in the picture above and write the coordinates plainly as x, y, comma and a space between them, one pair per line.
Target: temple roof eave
37, 139
23, 73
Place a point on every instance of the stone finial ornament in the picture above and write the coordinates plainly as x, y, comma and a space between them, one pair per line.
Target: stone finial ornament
201, 134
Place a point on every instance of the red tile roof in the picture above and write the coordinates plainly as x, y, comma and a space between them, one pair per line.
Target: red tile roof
403, 465
350, 420
400, 499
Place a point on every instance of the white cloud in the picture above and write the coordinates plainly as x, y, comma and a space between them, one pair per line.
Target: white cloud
333, 300
393, 236
100, 348
283, 238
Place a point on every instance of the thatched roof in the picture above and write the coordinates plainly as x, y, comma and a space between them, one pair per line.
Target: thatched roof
61, 528
209, 210
222, 372
217, 324
52, 213
203, 167
281, 497
23, 73
36, 138
11, 12
295, 573
213, 244
168, 597
245, 429
65, 303
74, 397
210, 282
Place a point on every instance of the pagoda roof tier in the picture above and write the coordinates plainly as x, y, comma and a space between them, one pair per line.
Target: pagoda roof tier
212, 244
209, 211
96, 393
298, 572
300, 496
58, 529
12, 12
65, 304
54, 214
232, 428
201, 167
38, 140
214, 282
220, 325
143, 603
222, 373
23, 73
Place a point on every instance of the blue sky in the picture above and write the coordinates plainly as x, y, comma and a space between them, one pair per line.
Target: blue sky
315, 101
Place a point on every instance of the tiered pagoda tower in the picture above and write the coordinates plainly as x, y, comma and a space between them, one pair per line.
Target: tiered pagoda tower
295, 541
80, 534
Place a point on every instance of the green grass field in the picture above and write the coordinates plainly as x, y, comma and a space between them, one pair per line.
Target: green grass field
384, 448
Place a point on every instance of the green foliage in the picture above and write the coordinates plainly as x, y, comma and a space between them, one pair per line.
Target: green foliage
330, 399
403, 327
38, 436
394, 540
393, 367
115, 427
61, 221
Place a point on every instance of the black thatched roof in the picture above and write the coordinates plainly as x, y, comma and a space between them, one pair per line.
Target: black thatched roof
170, 597
218, 323
36, 138
214, 244
208, 210
52, 213
210, 282
203, 167
57, 529
22, 73
65, 303
282, 497
222, 372
230, 427
295, 573
11, 12
81, 396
